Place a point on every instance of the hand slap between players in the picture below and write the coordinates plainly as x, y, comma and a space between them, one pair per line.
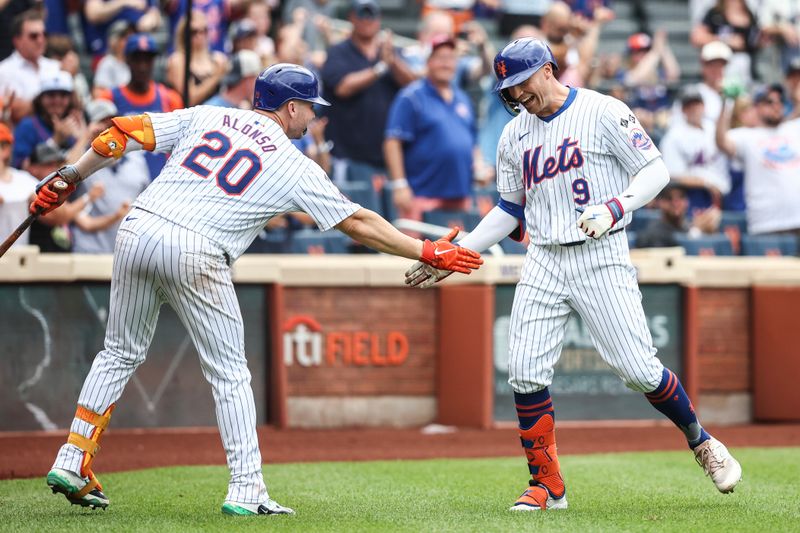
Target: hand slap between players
423, 276
445, 255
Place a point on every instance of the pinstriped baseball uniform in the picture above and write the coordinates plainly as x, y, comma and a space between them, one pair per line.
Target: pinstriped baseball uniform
584, 154
230, 172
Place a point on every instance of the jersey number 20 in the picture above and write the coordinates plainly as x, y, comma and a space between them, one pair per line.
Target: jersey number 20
218, 147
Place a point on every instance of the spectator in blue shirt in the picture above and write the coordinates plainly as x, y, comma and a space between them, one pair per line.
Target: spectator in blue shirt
431, 138
55, 121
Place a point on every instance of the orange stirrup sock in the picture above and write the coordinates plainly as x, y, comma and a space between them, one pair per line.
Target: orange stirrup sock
538, 436
89, 445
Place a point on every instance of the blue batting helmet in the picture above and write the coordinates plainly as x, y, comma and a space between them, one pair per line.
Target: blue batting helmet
283, 82
517, 62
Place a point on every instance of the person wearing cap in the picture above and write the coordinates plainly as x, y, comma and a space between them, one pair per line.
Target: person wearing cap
692, 157
652, 68
361, 77
17, 189
94, 229
431, 112
651, 61
142, 94
100, 15
244, 35
238, 83
673, 203
734, 24
112, 70
714, 57
178, 245
770, 154
206, 68
55, 121
21, 72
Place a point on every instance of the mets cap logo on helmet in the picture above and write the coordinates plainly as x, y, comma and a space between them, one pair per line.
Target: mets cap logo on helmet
517, 62
283, 82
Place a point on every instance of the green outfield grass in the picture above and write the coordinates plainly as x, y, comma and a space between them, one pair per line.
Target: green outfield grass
657, 492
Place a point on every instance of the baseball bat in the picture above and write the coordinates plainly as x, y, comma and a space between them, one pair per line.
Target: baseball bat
60, 185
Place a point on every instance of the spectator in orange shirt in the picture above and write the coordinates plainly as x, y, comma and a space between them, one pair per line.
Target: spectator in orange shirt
143, 94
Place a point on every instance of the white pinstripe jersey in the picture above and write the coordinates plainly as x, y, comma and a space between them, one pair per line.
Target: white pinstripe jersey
232, 170
584, 154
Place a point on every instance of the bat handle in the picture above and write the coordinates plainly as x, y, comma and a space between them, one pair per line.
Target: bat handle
60, 185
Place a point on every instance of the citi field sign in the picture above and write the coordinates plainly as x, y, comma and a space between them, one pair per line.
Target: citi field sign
306, 344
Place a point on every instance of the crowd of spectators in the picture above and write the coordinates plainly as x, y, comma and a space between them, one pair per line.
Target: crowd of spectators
413, 129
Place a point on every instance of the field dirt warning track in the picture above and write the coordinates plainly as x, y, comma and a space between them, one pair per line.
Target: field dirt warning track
31, 454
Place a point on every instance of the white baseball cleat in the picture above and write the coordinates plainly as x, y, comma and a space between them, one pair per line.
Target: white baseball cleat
251, 509
538, 498
719, 464
74, 487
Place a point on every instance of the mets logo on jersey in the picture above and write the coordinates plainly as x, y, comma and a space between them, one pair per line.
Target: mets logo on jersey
777, 153
639, 139
568, 156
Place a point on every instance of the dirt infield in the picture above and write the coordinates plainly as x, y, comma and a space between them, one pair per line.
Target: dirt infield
31, 454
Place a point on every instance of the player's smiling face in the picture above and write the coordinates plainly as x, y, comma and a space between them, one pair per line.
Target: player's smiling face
533, 93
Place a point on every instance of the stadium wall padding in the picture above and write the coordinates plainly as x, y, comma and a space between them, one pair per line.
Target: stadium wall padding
339, 341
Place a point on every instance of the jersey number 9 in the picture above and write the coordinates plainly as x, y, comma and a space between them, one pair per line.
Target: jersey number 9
581, 189
218, 147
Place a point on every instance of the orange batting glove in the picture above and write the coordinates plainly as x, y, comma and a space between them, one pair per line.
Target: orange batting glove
445, 255
51, 192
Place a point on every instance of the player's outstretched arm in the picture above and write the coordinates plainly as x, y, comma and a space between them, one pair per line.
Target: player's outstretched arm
370, 229
596, 220
494, 227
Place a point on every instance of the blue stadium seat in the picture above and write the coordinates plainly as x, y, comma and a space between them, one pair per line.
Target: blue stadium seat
716, 244
312, 241
275, 241
363, 193
337, 242
642, 218
771, 245
307, 241
733, 219
466, 220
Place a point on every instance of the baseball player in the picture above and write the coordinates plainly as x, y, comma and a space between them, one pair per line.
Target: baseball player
230, 171
574, 149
